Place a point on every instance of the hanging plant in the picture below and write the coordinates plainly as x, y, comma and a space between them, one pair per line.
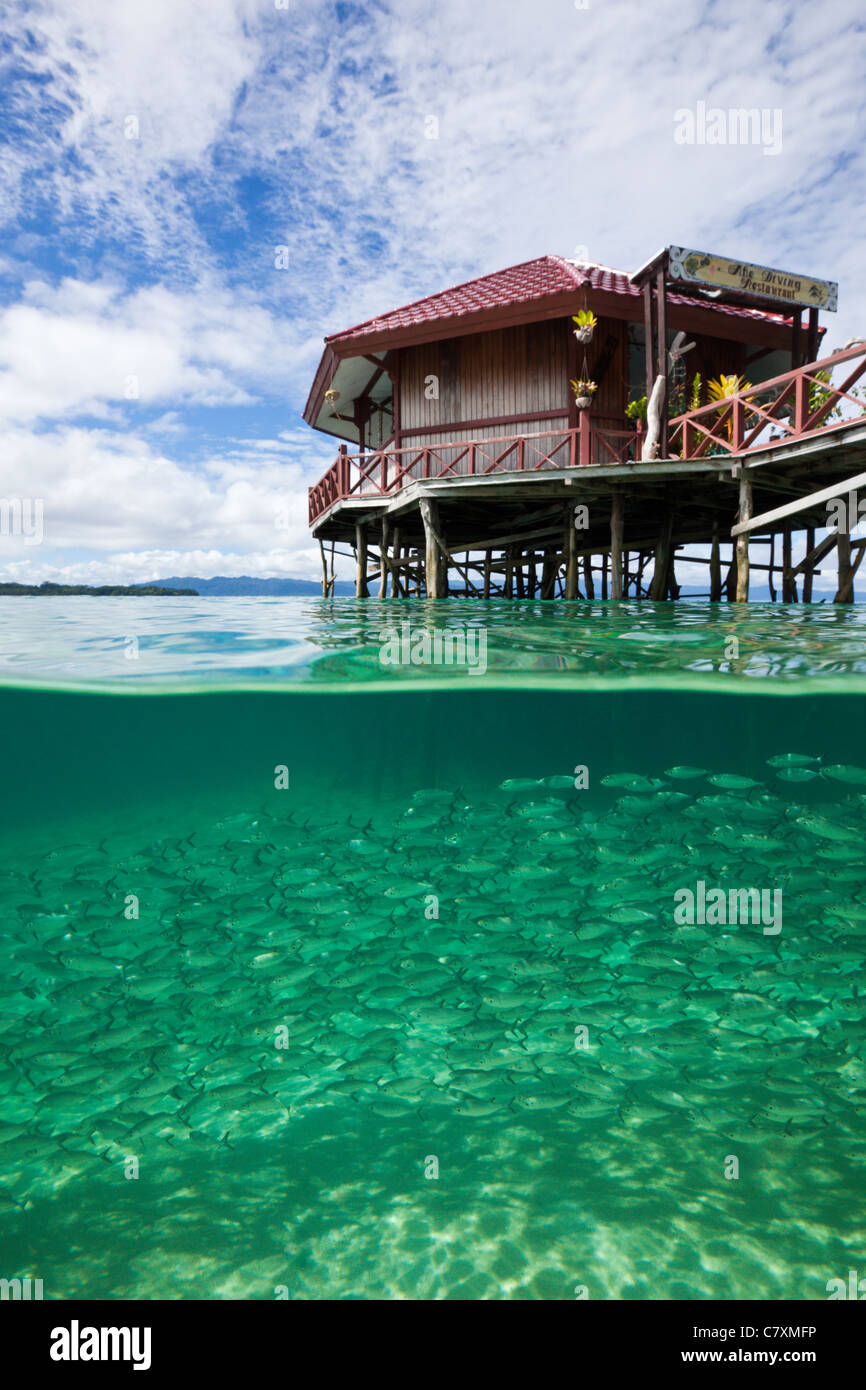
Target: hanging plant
586, 322
583, 393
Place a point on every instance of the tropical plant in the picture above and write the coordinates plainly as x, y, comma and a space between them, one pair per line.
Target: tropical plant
697, 384
723, 387
676, 399
583, 393
636, 410
584, 318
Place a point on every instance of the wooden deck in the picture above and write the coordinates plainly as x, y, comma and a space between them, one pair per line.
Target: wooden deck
512, 499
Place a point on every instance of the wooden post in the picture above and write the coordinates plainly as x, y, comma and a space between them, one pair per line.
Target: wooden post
641, 566
396, 580
845, 591
509, 572
570, 549
789, 584
812, 341
808, 572
673, 586
361, 589
436, 565
521, 589
659, 586
548, 574
616, 513
731, 577
745, 514
796, 343
588, 585
383, 576
648, 335
487, 574
572, 369
325, 585
662, 316
715, 569
770, 585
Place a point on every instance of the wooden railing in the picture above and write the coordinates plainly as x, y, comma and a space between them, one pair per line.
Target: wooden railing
385, 471
800, 403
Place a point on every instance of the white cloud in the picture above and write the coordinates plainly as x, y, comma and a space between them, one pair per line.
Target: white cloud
83, 348
105, 493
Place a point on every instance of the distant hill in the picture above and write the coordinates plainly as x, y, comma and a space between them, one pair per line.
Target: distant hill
48, 590
244, 586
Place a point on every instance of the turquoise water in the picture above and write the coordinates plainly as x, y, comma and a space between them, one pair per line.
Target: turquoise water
431, 1021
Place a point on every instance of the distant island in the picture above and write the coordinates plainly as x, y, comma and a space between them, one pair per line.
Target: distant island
245, 586
231, 586
103, 591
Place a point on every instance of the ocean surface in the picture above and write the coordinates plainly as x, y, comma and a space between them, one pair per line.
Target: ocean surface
334, 969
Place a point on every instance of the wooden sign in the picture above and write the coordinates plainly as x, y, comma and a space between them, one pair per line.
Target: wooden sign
720, 272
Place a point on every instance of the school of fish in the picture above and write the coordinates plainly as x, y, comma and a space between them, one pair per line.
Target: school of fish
481, 981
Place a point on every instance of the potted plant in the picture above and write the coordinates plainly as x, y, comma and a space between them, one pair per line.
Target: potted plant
586, 322
583, 393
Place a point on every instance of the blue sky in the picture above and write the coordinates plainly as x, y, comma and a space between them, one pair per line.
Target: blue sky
153, 158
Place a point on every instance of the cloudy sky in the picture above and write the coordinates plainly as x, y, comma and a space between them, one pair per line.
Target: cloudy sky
156, 350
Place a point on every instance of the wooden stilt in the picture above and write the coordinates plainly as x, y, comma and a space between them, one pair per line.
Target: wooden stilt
771, 586
361, 589
789, 585
641, 566
715, 569
509, 572
588, 584
604, 575
616, 514
731, 578
396, 583
521, 586
549, 572
571, 556
487, 574
531, 575
673, 586
808, 572
659, 586
436, 563
383, 568
745, 514
845, 591
324, 570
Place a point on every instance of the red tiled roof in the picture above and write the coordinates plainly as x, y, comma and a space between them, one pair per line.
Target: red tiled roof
520, 284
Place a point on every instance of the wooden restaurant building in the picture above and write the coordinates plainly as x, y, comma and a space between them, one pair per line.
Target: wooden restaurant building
559, 428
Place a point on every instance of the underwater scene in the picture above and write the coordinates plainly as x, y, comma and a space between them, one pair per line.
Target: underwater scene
342, 961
